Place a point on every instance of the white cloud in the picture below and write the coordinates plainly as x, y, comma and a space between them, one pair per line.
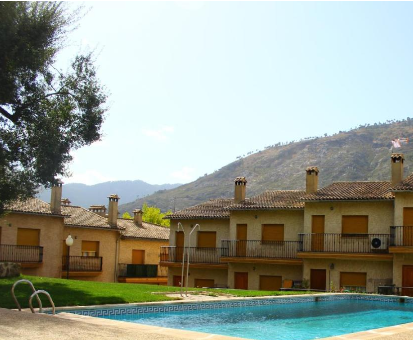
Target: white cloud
160, 134
186, 174
88, 177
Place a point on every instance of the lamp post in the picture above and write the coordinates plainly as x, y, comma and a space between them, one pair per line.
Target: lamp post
69, 243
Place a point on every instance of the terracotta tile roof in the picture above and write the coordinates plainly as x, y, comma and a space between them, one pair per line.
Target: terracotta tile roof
214, 208
31, 205
272, 199
405, 185
146, 231
80, 217
352, 191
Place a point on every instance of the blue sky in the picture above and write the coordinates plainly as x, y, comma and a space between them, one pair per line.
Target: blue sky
194, 85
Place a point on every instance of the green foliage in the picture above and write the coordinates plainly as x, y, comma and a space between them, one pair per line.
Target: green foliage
44, 112
127, 216
154, 215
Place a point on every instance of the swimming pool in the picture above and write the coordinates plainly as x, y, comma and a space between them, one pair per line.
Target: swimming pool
298, 318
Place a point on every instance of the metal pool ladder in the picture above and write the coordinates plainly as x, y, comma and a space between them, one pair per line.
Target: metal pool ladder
35, 294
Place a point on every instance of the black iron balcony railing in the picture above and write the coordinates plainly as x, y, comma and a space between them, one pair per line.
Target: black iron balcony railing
345, 243
260, 249
21, 254
401, 236
82, 263
138, 270
196, 255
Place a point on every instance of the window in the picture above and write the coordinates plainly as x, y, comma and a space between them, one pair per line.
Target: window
28, 237
272, 232
90, 248
207, 239
270, 283
204, 283
356, 224
353, 281
138, 256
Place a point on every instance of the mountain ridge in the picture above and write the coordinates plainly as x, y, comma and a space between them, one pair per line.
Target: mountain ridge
360, 154
86, 195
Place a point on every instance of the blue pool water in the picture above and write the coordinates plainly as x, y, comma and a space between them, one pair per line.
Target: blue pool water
298, 321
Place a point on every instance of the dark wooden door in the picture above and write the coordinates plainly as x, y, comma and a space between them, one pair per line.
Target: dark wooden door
241, 240
241, 280
317, 230
179, 243
177, 281
408, 226
318, 279
407, 280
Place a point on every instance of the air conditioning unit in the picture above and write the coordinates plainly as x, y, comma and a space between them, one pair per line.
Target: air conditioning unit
378, 242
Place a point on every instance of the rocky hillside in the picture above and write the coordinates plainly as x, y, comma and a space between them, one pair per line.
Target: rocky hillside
362, 154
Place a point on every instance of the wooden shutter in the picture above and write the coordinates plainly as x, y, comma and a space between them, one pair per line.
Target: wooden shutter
353, 279
357, 224
208, 283
270, 283
138, 256
28, 237
90, 248
272, 232
0, 235
207, 239
408, 217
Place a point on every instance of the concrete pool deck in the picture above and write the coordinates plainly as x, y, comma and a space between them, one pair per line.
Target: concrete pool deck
68, 326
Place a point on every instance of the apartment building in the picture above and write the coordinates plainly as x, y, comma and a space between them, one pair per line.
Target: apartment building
34, 233
347, 235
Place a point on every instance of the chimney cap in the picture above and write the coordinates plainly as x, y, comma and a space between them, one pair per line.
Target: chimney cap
97, 207
240, 180
397, 156
66, 201
311, 169
57, 182
137, 211
114, 197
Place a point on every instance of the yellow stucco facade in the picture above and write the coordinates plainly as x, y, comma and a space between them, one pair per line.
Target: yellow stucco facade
151, 249
50, 229
108, 241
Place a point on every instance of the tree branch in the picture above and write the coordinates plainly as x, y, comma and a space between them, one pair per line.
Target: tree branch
8, 115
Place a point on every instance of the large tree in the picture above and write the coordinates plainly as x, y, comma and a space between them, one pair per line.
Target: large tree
44, 112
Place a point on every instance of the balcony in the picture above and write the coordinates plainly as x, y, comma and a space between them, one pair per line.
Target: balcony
198, 257
258, 251
142, 273
346, 246
82, 265
26, 255
401, 239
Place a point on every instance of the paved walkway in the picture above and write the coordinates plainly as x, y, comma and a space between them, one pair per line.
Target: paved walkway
65, 326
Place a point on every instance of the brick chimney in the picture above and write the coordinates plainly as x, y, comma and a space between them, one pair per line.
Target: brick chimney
137, 217
113, 210
56, 197
98, 209
311, 182
397, 160
240, 188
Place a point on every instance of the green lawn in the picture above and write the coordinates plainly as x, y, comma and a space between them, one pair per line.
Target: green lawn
84, 293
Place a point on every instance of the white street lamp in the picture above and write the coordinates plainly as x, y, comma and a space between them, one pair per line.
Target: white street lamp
69, 243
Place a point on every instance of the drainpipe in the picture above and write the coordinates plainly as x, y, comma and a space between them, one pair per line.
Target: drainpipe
117, 257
